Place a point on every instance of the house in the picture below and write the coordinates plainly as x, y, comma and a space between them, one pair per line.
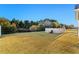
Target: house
55, 30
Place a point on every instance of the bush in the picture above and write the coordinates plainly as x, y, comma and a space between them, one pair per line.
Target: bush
7, 27
34, 28
7, 30
23, 30
37, 28
41, 28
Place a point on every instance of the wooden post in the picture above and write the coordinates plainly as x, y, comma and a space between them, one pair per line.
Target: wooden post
78, 28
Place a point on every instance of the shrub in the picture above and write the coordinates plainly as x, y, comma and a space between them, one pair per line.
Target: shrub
7, 27
37, 28
7, 30
41, 28
34, 28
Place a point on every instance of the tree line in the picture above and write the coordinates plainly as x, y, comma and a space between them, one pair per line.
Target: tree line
15, 25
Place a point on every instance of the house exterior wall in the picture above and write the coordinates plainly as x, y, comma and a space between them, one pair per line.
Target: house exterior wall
55, 30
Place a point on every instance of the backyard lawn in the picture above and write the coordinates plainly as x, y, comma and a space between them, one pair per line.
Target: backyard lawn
40, 42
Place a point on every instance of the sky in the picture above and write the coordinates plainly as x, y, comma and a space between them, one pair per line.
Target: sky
63, 13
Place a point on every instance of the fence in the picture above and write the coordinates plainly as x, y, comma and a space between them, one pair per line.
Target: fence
55, 30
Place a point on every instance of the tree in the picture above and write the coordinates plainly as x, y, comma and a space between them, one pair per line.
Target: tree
6, 26
55, 25
21, 24
33, 23
71, 26
34, 28
41, 28
26, 24
45, 23
16, 22
4, 22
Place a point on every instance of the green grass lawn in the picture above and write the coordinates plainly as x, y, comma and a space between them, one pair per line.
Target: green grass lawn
39, 42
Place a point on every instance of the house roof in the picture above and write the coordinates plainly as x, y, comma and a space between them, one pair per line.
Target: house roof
77, 6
